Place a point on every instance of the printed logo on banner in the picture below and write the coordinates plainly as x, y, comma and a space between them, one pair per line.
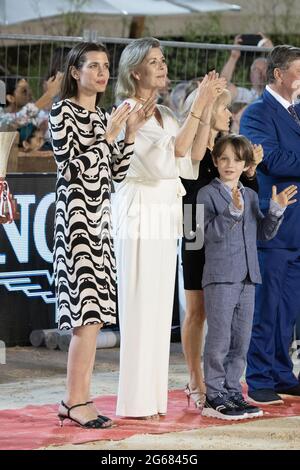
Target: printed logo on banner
19, 238
21, 235
25, 281
26, 260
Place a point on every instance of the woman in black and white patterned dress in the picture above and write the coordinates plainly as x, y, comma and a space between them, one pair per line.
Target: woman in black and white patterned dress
88, 159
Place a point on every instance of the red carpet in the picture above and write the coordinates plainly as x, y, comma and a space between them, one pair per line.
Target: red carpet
33, 427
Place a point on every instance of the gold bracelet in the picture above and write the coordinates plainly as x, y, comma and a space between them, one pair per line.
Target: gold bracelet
195, 115
199, 118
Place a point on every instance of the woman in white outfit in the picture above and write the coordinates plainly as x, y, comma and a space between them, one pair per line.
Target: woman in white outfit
148, 213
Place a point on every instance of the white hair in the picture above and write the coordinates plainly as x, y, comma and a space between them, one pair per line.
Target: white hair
132, 56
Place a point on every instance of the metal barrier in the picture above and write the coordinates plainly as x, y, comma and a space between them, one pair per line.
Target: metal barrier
31, 56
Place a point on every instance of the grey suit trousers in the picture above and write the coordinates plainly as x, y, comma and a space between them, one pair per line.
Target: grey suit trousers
229, 309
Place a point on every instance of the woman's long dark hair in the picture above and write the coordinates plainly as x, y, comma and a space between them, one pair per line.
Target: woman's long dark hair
76, 58
58, 61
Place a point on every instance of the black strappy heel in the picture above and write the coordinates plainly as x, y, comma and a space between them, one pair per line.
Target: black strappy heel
104, 418
97, 423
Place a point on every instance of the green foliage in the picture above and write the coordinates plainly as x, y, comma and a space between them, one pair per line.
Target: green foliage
74, 20
32, 60
210, 24
186, 64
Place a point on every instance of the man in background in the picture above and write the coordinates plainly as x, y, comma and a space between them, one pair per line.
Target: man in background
273, 121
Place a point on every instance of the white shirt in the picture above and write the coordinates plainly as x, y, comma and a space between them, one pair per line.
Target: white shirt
285, 103
244, 95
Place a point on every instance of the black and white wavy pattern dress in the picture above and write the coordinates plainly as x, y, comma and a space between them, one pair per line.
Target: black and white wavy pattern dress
84, 260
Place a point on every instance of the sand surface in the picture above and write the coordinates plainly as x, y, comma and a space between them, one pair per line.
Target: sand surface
37, 376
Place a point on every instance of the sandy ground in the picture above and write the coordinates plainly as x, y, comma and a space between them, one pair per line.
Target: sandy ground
37, 376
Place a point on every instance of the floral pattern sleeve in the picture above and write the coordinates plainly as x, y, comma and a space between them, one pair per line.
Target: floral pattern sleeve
26, 115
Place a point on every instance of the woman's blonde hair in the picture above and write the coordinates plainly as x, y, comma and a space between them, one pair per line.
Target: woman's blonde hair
225, 97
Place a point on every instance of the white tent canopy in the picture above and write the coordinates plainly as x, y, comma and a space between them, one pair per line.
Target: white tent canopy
14, 11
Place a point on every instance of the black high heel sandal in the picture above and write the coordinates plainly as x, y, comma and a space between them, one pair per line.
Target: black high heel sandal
104, 418
97, 423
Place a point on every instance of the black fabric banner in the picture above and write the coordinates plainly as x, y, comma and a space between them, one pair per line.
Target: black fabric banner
26, 272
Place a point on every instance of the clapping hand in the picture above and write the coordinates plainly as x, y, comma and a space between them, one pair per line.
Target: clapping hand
284, 198
138, 116
237, 198
258, 155
208, 89
116, 122
215, 86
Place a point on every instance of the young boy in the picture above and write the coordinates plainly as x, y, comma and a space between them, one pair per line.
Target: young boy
233, 222
31, 138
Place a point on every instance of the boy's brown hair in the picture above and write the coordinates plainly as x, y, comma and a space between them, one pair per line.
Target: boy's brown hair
242, 148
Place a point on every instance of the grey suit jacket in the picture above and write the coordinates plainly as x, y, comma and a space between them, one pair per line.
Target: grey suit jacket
230, 241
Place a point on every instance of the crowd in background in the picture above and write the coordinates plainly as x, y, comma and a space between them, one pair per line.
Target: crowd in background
169, 153
30, 117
